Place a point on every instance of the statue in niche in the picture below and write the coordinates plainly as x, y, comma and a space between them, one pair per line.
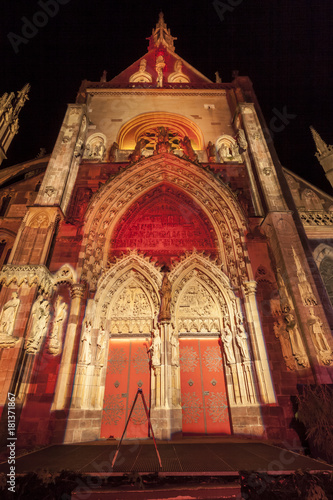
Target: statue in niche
226, 337
160, 65
55, 343
155, 348
211, 152
85, 355
137, 153
282, 334
101, 345
174, 342
165, 293
163, 145
295, 339
40, 313
113, 151
188, 149
241, 140
7, 321
241, 339
316, 328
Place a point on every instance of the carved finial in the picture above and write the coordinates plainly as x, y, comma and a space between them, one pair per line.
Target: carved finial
218, 79
22, 96
161, 36
103, 77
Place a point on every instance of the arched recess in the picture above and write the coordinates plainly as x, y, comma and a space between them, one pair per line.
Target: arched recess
164, 223
323, 256
216, 369
122, 317
117, 198
7, 239
131, 131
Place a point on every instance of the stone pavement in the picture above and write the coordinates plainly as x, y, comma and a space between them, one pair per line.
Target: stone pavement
225, 456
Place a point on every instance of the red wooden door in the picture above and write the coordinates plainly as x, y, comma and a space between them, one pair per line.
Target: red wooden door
204, 396
127, 371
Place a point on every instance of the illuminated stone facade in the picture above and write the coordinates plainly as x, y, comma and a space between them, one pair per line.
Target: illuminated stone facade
162, 247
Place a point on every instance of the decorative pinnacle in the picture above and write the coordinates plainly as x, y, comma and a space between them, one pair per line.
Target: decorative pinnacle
161, 36
323, 149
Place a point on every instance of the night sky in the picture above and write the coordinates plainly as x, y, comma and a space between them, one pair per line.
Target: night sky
284, 46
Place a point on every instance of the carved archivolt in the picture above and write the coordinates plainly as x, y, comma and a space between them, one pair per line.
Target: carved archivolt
114, 199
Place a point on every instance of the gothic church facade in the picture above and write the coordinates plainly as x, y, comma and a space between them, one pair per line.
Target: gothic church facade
162, 247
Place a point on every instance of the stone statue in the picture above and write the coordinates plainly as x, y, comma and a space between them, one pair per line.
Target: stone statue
40, 313
160, 65
165, 299
155, 348
174, 342
112, 152
316, 328
226, 337
137, 153
163, 145
282, 334
55, 343
218, 79
188, 150
101, 345
241, 340
211, 152
8, 316
85, 356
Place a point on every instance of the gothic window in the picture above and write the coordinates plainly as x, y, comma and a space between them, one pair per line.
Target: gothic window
326, 271
4, 205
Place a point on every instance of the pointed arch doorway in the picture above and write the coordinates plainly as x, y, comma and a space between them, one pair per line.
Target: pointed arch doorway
130, 321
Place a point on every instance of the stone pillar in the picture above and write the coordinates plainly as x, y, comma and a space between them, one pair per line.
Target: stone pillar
258, 344
166, 415
67, 366
61, 172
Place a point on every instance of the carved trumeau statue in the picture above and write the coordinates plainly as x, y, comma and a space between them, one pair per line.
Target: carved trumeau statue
85, 355
7, 321
165, 299
55, 343
40, 313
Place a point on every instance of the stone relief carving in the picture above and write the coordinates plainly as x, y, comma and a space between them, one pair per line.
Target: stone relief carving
55, 340
95, 147
7, 321
211, 152
142, 75
188, 151
322, 347
85, 351
174, 344
178, 76
40, 314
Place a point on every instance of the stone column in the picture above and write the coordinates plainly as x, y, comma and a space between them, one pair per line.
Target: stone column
258, 344
66, 371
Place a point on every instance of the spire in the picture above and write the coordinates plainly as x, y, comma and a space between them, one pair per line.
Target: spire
22, 96
161, 36
324, 155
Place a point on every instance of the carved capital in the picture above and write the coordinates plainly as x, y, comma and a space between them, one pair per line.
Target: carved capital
77, 290
249, 287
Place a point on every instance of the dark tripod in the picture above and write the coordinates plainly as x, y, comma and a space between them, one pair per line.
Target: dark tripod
149, 423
